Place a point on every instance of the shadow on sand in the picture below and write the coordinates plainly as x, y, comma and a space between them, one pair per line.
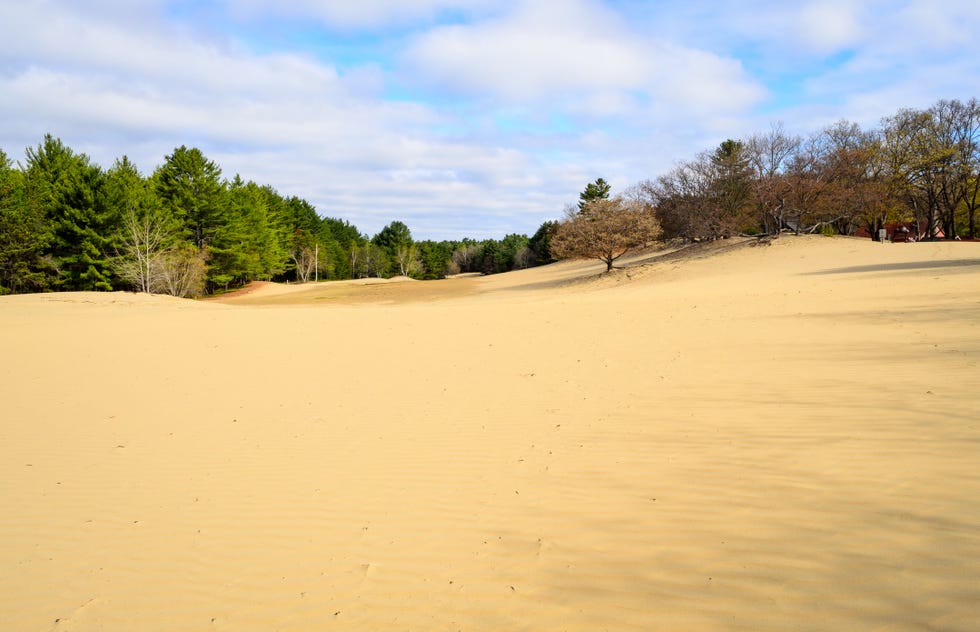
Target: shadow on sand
900, 267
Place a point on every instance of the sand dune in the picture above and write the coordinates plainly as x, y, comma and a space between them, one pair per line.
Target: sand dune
769, 438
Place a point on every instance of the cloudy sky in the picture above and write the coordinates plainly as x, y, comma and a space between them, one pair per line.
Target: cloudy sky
461, 117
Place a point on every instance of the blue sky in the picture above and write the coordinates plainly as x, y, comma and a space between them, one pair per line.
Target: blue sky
461, 117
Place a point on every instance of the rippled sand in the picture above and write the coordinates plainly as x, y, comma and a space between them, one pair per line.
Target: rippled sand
768, 438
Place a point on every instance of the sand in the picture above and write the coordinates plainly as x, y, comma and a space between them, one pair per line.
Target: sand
767, 438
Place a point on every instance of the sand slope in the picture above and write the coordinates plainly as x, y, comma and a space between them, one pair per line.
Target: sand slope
773, 438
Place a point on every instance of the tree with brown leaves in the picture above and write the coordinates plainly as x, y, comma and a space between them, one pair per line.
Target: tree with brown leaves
605, 229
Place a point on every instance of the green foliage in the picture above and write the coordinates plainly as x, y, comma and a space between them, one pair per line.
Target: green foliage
24, 235
598, 190
342, 231
489, 257
393, 236
190, 187
512, 253
395, 241
334, 262
467, 256
435, 258
540, 243
372, 261
145, 231
246, 246
67, 186
340, 238
732, 185
66, 224
126, 192
301, 215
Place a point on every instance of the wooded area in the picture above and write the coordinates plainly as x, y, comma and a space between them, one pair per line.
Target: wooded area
920, 167
68, 224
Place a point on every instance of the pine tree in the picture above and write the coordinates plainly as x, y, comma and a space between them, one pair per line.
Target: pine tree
24, 235
598, 190
395, 240
244, 246
67, 187
189, 185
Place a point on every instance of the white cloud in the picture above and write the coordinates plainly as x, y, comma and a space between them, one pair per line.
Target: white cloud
827, 27
532, 53
581, 51
359, 14
294, 122
281, 119
504, 111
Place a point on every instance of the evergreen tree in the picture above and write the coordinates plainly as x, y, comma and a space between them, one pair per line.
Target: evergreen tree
24, 235
489, 256
507, 254
372, 261
334, 262
733, 184
190, 187
392, 236
300, 214
342, 231
435, 257
392, 239
278, 217
341, 239
598, 190
540, 243
245, 246
304, 226
67, 187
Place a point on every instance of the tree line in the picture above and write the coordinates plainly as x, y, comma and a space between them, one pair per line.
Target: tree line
919, 167
68, 224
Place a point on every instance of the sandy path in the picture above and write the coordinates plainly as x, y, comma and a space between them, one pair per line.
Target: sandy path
775, 438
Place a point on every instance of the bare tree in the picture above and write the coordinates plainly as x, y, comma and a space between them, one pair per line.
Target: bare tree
808, 181
856, 192
144, 247
407, 257
372, 261
153, 263
465, 256
355, 253
523, 258
605, 229
183, 271
956, 132
970, 134
304, 258
683, 200
769, 156
916, 164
